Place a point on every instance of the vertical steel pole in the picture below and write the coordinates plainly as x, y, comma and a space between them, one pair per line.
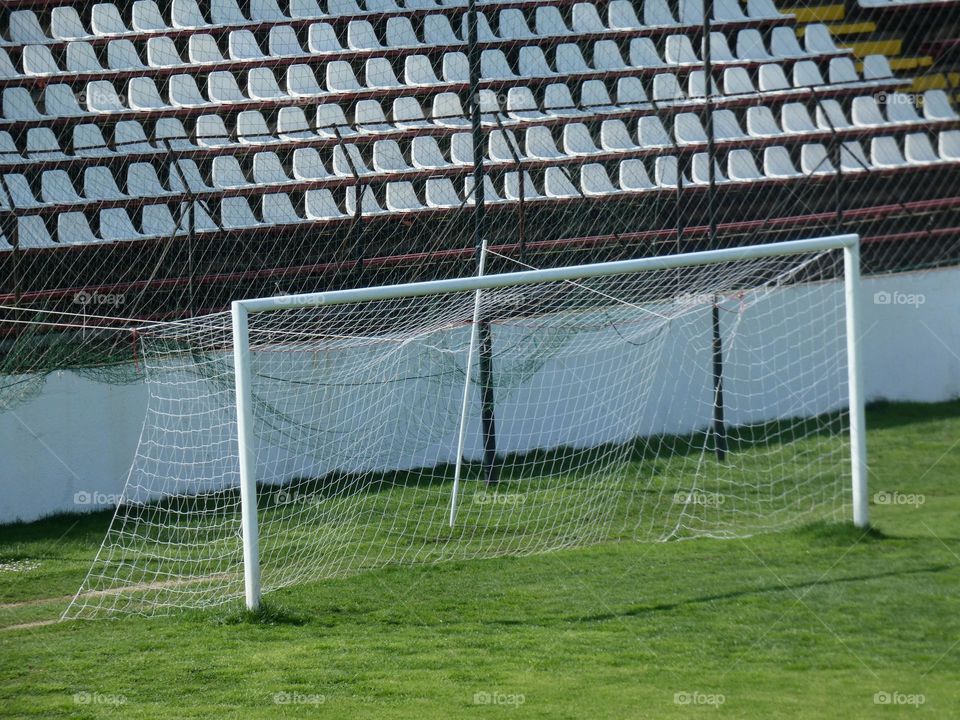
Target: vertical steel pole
858, 423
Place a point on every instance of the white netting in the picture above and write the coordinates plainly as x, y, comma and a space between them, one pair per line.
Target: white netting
604, 403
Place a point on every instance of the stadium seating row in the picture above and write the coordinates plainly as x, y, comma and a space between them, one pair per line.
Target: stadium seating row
146, 16
202, 49
340, 83
528, 141
550, 183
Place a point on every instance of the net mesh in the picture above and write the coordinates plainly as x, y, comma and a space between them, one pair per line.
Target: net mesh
604, 421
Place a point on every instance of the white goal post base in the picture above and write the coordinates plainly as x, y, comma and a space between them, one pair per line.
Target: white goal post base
241, 309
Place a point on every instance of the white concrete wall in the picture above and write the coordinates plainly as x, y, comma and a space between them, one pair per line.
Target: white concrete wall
70, 448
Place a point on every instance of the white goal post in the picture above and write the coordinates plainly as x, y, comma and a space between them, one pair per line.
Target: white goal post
245, 400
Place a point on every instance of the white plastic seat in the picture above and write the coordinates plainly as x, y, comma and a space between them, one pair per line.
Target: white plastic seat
936, 106
885, 153
400, 33
494, 66
461, 149
521, 105
866, 113
796, 119
162, 52
699, 170
252, 129
569, 60
186, 14
142, 181
549, 22
18, 105
578, 141
425, 153
558, 101
842, 70
633, 175
368, 202
7, 68
24, 28
268, 170
88, 141
65, 22
211, 131
36, 59
614, 137
484, 31
418, 71
350, 163
556, 184
533, 63
129, 138
277, 209
622, 16
407, 113
830, 116
657, 13
115, 225
142, 94
305, 9
302, 82
19, 190
651, 133
226, 12
379, 74
99, 184
226, 173
777, 163
56, 187
876, 67
742, 167
262, 85
918, 150
330, 117
171, 134
440, 193
511, 186
292, 124
455, 68
243, 45
343, 7
900, 109
102, 97
728, 11
687, 130
157, 221
643, 54
817, 39
202, 48
666, 88
387, 157
122, 55
606, 56
361, 36
42, 144
726, 126
222, 87
540, 144
750, 46
720, 49
308, 165
764, 10
513, 25
678, 50
447, 111
32, 232
322, 38
595, 181
502, 147
437, 31
81, 58
266, 11
184, 92
736, 81
320, 205
235, 214
105, 20
340, 77
401, 197
949, 145
490, 194
586, 19
852, 157
806, 74
761, 122
74, 229
8, 149
784, 43
283, 42
690, 12
369, 118
381, 6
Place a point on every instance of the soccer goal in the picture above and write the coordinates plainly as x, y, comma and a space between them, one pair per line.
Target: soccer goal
315, 436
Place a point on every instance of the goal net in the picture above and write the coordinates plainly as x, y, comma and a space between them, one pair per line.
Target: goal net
587, 403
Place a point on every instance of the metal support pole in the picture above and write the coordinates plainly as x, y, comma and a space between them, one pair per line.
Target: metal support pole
858, 423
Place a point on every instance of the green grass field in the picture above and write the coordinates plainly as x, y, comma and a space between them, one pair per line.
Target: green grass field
822, 621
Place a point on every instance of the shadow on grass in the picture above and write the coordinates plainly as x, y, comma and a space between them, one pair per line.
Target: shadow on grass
270, 613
